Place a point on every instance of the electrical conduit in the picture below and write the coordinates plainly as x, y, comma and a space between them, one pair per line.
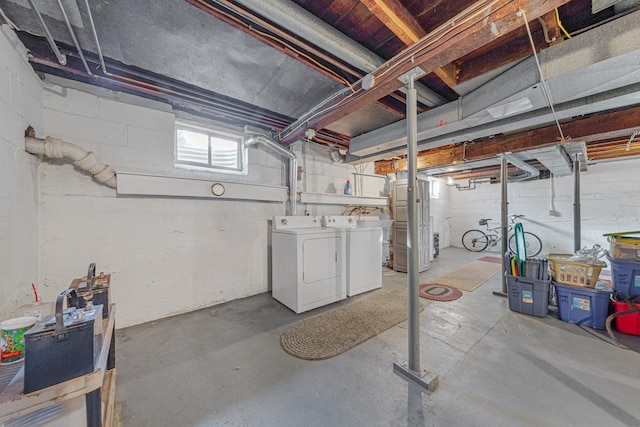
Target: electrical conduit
86, 160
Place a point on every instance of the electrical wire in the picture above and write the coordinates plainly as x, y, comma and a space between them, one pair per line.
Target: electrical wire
560, 24
281, 42
412, 54
8, 21
543, 83
631, 138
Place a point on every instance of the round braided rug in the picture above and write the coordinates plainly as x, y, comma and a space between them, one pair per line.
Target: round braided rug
436, 292
336, 331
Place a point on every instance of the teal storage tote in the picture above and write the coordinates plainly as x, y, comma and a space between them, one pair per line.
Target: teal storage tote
583, 306
626, 276
528, 296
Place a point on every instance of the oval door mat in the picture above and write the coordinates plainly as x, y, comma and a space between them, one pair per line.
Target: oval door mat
336, 331
436, 292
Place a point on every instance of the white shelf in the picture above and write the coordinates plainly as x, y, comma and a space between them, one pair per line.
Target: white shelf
156, 185
341, 199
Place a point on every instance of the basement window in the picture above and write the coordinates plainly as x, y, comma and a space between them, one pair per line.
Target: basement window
210, 148
434, 188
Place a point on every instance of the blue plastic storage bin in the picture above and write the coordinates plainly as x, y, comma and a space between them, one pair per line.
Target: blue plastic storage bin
626, 276
583, 306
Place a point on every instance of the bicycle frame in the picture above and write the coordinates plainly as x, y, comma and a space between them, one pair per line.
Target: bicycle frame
495, 233
477, 240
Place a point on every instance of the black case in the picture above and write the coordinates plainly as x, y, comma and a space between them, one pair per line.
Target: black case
58, 353
94, 289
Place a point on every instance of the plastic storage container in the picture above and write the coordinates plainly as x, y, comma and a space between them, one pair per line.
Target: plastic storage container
583, 306
626, 276
629, 323
567, 272
528, 296
625, 249
625, 246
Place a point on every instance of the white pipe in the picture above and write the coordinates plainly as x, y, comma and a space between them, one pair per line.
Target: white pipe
293, 166
86, 160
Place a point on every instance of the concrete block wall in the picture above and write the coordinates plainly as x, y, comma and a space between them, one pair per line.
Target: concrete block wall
322, 175
20, 106
610, 201
166, 255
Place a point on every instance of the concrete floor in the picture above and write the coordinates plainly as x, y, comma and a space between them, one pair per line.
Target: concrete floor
224, 366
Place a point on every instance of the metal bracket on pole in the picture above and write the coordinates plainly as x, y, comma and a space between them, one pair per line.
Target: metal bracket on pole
426, 380
411, 75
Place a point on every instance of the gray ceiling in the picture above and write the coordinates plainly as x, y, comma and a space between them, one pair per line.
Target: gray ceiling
177, 40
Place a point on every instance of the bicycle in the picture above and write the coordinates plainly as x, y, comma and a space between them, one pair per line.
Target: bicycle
477, 240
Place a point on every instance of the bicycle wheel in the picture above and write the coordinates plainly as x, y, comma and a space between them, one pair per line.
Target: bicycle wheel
475, 240
532, 243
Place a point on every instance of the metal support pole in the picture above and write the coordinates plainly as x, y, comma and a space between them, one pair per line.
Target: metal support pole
577, 238
412, 371
504, 221
504, 218
412, 229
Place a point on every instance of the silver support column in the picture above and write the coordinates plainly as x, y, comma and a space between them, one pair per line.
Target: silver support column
412, 230
504, 220
577, 238
411, 371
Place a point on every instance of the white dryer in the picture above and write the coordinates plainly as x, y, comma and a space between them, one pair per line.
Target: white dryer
308, 263
364, 253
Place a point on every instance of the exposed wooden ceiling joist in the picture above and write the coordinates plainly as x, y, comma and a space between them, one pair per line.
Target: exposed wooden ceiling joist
402, 23
593, 127
475, 27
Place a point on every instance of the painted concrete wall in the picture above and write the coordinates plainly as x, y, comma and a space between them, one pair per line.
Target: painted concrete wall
167, 255
20, 106
610, 201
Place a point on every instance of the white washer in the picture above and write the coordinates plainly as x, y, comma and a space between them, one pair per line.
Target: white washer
364, 253
307, 263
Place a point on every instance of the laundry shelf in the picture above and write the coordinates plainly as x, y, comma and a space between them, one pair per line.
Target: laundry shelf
341, 199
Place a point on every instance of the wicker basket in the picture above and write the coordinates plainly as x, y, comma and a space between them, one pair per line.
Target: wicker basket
574, 273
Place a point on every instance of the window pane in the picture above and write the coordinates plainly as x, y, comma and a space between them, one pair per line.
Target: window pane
192, 147
224, 152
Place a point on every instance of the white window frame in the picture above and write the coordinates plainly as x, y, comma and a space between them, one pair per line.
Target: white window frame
434, 188
212, 131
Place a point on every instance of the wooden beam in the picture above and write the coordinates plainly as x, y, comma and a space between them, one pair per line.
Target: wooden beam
484, 22
597, 126
401, 22
500, 54
396, 18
